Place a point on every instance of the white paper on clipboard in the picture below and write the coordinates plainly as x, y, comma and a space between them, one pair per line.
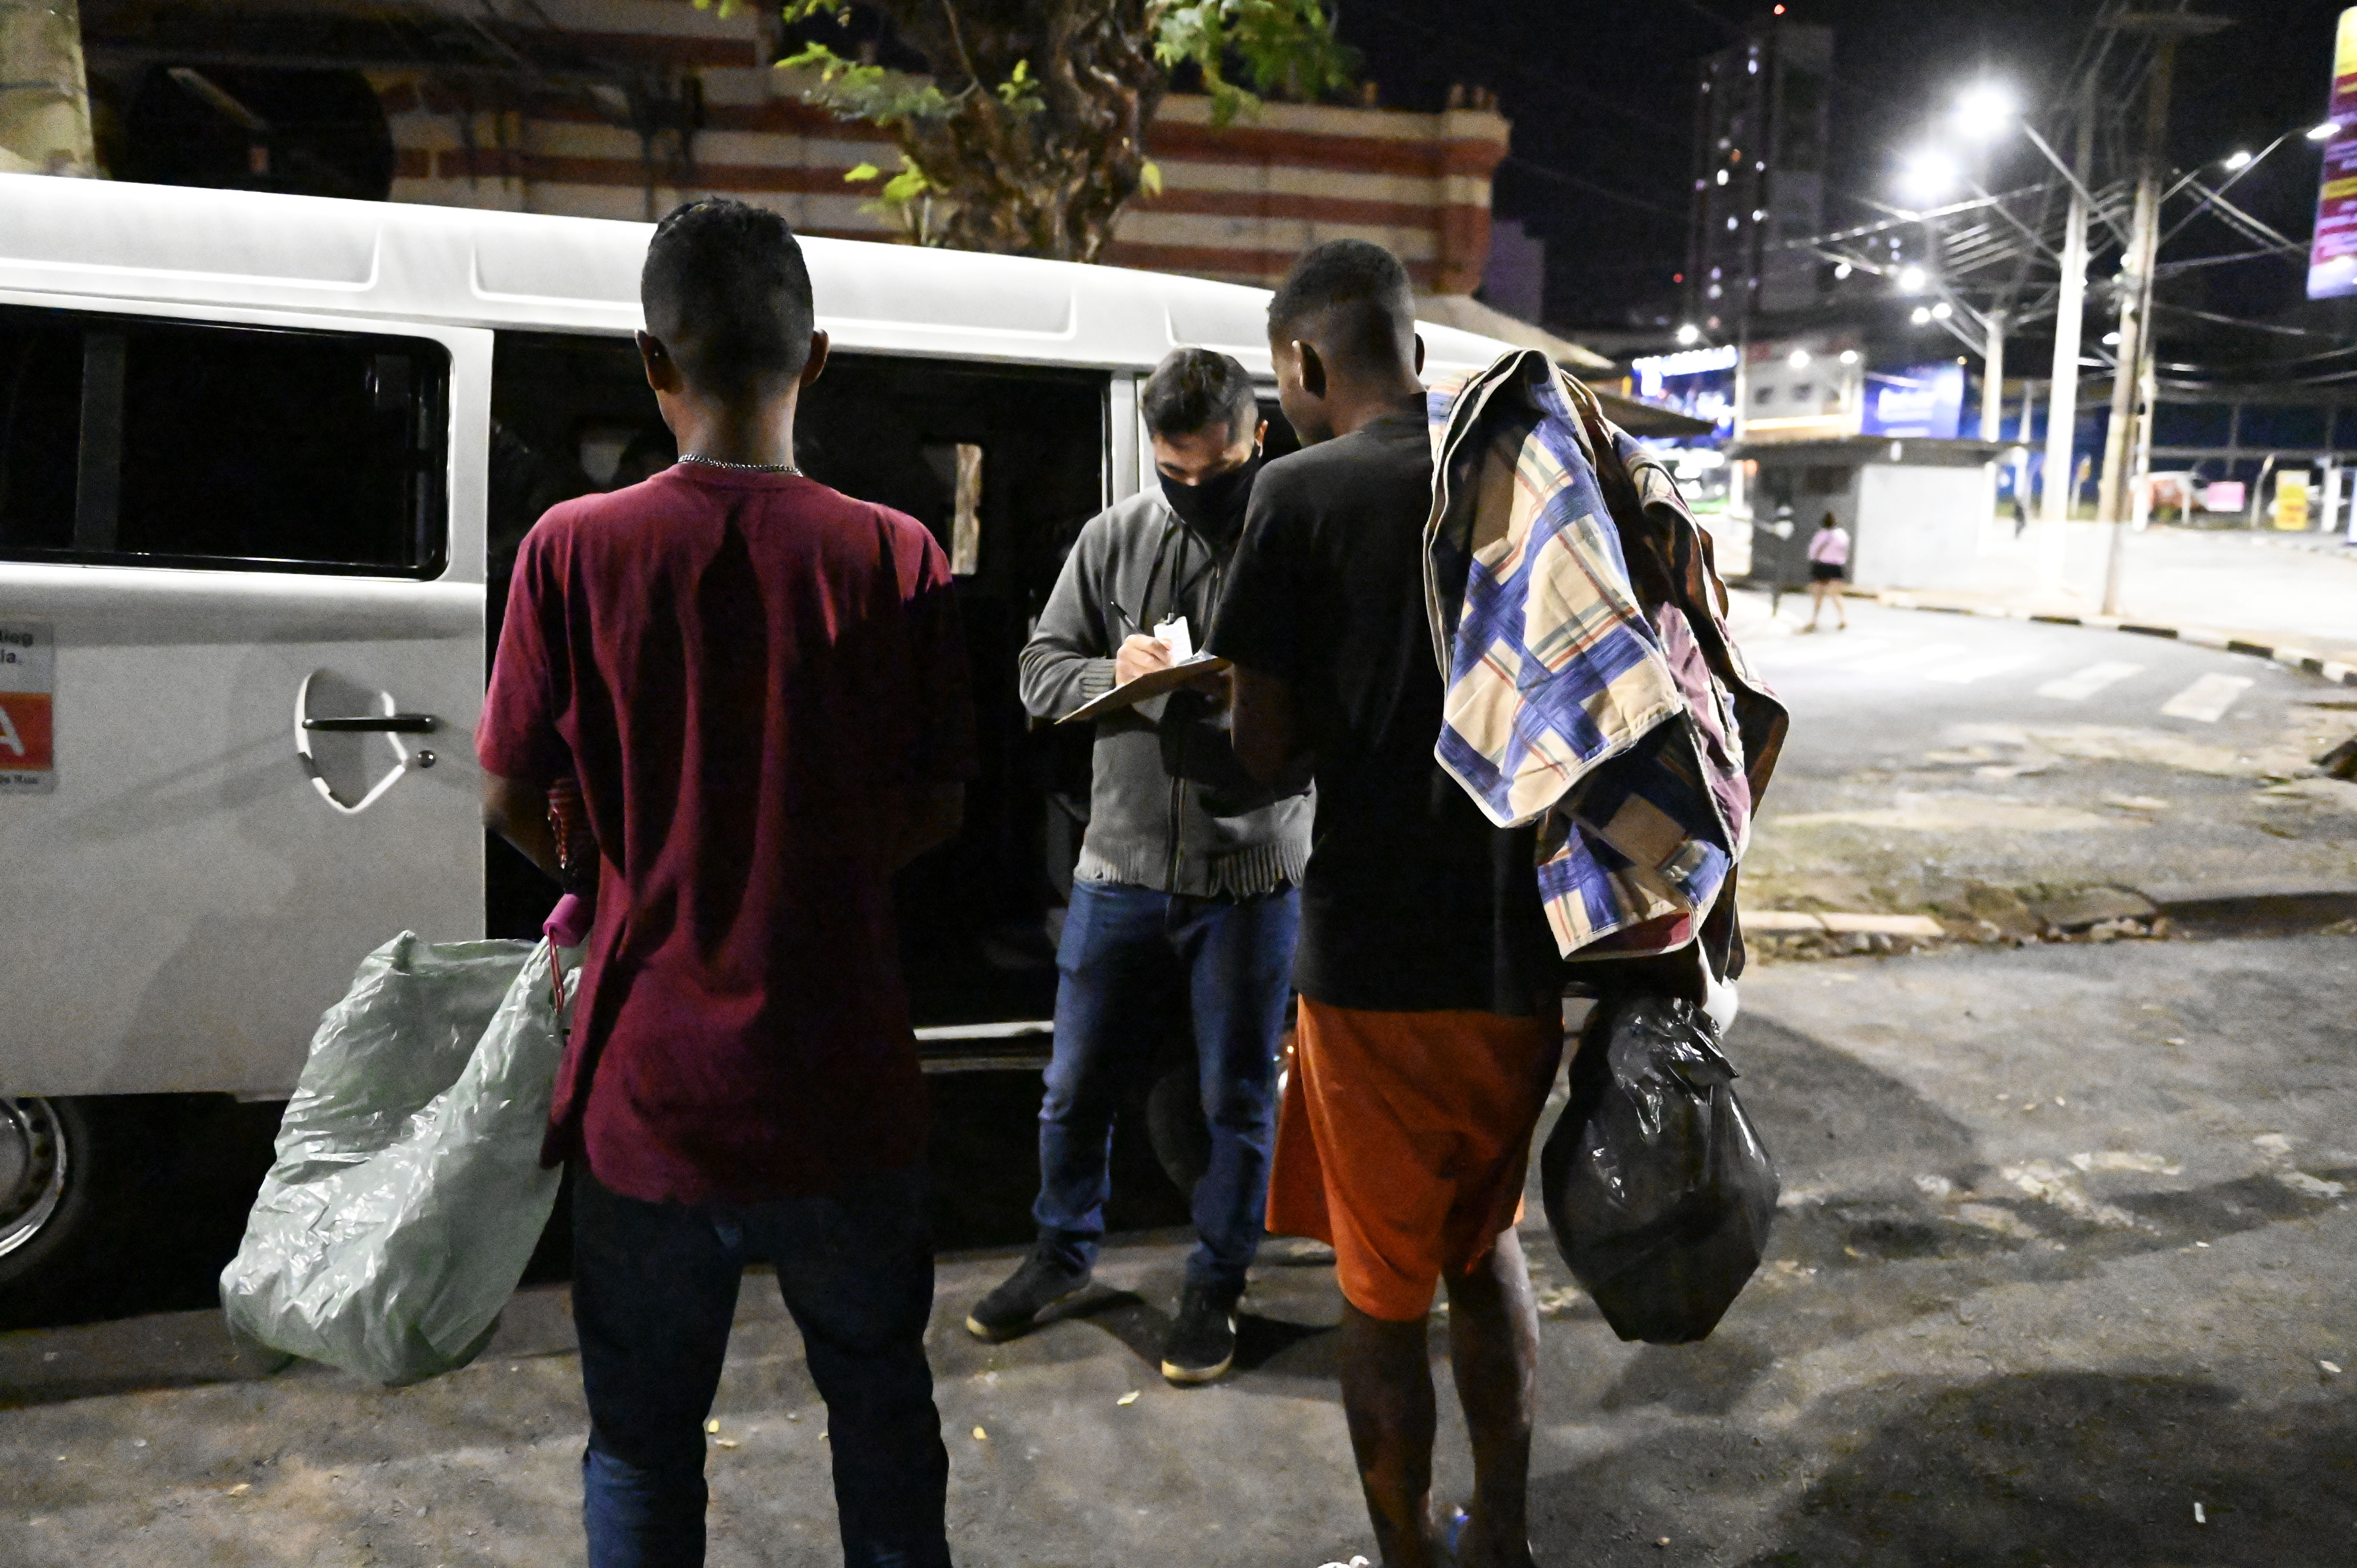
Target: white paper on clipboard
1146, 687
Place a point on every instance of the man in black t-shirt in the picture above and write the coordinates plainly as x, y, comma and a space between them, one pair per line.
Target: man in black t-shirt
1431, 995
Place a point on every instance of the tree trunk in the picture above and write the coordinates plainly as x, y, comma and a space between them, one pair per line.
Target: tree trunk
44, 98
1044, 181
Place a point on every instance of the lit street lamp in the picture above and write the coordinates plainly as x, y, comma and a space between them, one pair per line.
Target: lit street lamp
1985, 110
1928, 174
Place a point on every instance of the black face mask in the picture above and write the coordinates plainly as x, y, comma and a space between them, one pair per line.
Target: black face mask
1215, 507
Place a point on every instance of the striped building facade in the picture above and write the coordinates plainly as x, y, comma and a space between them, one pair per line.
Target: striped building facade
1238, 203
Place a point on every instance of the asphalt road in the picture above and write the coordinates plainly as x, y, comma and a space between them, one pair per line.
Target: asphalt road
2061, 1277
2064, 1249
1930, 751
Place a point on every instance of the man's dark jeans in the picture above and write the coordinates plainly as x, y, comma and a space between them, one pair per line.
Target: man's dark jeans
1239, 958
654, 1289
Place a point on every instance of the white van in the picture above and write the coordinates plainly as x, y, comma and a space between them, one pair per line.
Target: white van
260, 457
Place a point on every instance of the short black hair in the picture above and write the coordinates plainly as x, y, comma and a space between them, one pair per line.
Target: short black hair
1192, 389
1357, 273
725, 287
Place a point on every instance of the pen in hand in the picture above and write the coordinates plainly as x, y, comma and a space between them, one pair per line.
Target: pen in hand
1134, 653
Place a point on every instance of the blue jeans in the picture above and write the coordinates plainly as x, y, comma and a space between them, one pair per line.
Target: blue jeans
1239, 958
654, 1290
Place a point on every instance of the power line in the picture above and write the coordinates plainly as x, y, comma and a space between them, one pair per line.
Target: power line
1544, 172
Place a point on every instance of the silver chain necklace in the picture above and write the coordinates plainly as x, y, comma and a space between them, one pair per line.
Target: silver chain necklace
740, 468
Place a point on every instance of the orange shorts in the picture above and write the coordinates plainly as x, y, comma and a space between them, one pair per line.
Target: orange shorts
1402, 1141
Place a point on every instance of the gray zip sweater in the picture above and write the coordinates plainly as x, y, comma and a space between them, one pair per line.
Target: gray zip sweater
1169, 807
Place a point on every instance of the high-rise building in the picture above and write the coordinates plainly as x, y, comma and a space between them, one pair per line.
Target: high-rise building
1761, 129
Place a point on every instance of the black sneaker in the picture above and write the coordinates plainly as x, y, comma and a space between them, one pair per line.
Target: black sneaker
1043, 1281
1202, 1343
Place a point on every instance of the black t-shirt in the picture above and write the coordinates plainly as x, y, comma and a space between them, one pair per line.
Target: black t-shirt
1413, 902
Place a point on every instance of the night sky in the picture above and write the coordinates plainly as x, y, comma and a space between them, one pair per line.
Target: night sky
1601, 95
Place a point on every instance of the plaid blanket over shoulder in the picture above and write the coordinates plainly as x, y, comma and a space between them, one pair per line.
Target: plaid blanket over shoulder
1570, 702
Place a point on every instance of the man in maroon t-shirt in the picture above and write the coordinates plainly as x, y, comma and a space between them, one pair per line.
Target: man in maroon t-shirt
759, 686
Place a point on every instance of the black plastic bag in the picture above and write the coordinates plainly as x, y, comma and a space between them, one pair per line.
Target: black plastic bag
1658, 1189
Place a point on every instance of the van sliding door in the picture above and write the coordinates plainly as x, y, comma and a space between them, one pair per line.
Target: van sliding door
241, 654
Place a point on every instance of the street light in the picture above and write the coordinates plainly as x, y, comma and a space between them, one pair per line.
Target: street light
2325, 132
1689, 335
1928, 174
2238, 160
1985, 110
1911, 280
1942, 311
1922, 315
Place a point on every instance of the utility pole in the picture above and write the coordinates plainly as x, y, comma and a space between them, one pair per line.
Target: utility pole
2167, 30
2021, 445
44, 96
1992, 378
2070, 313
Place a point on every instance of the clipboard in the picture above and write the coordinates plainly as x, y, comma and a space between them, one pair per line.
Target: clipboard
1148, 686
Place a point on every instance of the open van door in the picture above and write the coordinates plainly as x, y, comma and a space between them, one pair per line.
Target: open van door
241, 611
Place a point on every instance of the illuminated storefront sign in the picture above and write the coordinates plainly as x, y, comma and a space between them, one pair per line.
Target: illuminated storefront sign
2332, 258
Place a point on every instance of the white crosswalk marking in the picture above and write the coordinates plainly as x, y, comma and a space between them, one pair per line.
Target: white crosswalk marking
2086, 684
1966, 672
2207, 698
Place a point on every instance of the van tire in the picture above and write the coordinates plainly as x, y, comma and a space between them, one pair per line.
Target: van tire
61, 1168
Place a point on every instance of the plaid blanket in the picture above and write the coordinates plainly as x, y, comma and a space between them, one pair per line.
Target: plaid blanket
1612, 714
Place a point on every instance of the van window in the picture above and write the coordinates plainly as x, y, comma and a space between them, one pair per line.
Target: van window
140, 442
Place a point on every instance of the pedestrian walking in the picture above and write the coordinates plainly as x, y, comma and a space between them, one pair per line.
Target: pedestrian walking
1430, 1013
1186, 859
760, 685
1828, 565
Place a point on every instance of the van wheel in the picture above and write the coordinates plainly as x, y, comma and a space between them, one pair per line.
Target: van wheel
48, 1171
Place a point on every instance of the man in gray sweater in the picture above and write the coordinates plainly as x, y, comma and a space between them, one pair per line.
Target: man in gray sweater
1186, 858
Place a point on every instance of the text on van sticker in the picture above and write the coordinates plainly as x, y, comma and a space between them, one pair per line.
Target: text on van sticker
28, 763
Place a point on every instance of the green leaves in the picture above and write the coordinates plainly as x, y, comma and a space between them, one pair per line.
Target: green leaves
885, 97
906, 197
1284, 44
1020, 91
1024, 131
871, 92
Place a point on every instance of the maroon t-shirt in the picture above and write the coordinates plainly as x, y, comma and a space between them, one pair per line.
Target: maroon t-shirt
739, 669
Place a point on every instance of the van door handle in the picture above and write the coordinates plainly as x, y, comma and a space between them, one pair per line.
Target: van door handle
393, 724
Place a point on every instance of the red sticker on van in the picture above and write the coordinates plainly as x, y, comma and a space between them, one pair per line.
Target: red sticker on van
27, 738
28, 668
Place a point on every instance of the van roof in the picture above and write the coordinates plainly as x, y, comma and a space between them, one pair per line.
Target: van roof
467, 266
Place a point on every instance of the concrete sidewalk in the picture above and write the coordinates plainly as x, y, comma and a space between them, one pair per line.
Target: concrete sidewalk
2064, 1253
2283, 595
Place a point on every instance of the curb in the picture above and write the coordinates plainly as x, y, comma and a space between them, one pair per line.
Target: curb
2293, 908
2246, 908
2332, 670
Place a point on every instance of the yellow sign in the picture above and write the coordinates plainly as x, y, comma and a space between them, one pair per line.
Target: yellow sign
2291, 501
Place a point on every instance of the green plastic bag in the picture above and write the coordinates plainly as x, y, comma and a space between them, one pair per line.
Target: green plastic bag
407, 1194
